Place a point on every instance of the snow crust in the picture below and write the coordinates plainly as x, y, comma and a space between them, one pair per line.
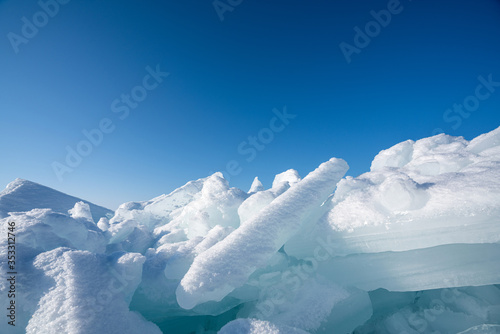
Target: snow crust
412, 246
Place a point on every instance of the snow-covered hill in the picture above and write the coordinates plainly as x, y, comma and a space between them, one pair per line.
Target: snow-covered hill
23, 195
413, 246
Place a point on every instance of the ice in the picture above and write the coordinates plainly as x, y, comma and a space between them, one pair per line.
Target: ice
189, 212
485, 142
103, 224
290, 176
147, 215
482, 329
260, 199
44, 229
396, 156
257, 201
23, 195
81, 210
412, 246
227, 265
309, 302
254, 326
91, 294
217, 205
38, 231
35, 232
256, 186
465, 310
429, 268
419, 194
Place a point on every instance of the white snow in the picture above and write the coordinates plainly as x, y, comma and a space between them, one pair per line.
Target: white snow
256, 186
91, 294
226, 266
23, 195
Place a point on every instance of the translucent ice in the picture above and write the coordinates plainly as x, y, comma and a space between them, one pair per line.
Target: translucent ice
254, 326
219, 270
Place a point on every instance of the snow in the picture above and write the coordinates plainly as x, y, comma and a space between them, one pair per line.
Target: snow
23, 195
256, 186
81, 210
226, 266
412, 246
91, 294
290, 176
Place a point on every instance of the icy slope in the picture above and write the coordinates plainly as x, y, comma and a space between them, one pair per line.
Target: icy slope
23, 195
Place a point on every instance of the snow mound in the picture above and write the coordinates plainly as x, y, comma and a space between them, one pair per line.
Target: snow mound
91, 294
23, 195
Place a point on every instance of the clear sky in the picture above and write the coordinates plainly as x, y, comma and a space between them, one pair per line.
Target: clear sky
81, 67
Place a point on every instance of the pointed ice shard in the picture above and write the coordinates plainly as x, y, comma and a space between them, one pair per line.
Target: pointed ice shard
256, 186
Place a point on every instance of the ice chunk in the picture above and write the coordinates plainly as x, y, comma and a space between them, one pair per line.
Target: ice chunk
254, 326
227, 265
81, 210
485, 141
103, 224
298, 299
396, 156
91, 294
217, 205
150, 214
290, 176
188, 212
256, 186
30, 285
162, 271
44, 229
37, 231
255, 203
464, 310
444, 194
430, 268
259, 200
180, 255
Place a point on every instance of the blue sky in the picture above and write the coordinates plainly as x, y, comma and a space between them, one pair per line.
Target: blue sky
225, 78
